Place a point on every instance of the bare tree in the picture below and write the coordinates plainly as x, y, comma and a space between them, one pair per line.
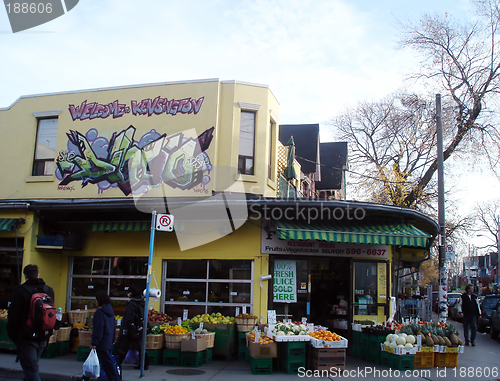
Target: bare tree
464, 59
392, 142
487, 217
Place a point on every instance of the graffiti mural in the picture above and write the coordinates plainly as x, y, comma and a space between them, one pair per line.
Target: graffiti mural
133, 166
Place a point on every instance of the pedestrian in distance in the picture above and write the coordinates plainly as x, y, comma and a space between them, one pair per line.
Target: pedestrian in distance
469, 310
103, 335
130, 336
31, 333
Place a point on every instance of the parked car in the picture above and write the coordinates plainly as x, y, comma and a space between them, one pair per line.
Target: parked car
453, 298
495, 321
487, 305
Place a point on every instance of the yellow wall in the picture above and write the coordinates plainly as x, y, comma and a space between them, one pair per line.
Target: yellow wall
220, 109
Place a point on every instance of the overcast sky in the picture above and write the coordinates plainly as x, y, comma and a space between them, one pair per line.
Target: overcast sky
317, 56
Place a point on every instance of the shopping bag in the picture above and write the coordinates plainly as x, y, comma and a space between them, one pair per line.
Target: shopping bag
132, 357
114, 358
91, 365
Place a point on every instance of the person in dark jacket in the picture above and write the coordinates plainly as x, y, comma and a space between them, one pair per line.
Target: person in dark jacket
29, 344
469, 310
133, 318
103, 335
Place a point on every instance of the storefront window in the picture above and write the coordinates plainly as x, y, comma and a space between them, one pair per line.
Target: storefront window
112, 274
365, 288
196, 286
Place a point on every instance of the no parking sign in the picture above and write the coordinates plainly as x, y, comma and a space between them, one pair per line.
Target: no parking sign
165, 222
450, 252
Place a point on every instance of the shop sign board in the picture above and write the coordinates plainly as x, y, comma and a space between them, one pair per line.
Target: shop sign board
271, 244
284, 286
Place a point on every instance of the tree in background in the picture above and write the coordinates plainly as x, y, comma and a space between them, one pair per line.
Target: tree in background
393, 141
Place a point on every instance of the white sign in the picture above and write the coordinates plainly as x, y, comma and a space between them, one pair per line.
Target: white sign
271, 316
450, 252
271, 244
284, 281
165, 222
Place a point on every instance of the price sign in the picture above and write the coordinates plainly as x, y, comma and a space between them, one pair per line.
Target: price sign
271, 316
184, 314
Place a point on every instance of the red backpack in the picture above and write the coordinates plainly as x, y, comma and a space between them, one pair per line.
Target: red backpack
42, 313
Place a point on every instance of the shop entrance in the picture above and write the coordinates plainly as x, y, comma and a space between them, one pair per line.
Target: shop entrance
320, 290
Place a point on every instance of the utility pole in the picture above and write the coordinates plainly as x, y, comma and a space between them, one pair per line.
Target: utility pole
443, 276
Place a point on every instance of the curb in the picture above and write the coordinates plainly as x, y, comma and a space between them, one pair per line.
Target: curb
18, 374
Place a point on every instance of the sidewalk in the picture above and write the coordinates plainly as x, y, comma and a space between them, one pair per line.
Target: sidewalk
476, 363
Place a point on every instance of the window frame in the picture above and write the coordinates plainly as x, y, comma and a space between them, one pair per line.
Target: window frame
206, 304
242, 159
40, 165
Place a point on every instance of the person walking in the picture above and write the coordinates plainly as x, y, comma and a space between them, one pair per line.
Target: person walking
30, 342
130, 336
469, 310
103, 335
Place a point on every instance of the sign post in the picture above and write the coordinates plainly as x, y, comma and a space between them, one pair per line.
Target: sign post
146, 297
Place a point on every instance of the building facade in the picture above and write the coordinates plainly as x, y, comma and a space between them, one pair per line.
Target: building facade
85, 171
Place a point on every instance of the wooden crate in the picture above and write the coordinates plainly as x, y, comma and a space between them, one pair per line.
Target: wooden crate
84, 338
154, 341
174, 341
210, 337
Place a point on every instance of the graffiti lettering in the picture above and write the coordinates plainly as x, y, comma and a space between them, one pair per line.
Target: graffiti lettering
135, 166
160, 105
65, 188
95, 110
147, 107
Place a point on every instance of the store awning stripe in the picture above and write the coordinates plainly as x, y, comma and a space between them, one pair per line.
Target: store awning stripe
6, 223
389, 234
123, 226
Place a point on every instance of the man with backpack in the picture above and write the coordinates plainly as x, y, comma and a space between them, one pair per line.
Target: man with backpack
30, 320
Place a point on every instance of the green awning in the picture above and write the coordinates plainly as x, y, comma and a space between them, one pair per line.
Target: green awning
6, 223
124, 226
390, 234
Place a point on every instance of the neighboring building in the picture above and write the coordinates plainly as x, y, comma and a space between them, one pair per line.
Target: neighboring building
307, 152
333, 170
83, 171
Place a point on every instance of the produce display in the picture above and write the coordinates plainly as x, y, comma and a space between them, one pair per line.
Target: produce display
214, 318
289, 329
434, 333
157, 316
176, 330
401, 340
263, 339
3, 314
325, 335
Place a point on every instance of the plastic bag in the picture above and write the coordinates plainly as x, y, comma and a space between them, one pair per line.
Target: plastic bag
91, 365
132, 357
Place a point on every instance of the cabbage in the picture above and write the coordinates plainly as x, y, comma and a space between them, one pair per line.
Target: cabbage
400, 341
280, 333
389, 337
408, 346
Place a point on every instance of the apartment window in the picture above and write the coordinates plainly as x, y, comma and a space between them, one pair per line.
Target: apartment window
206, 286
247, 143
271, 144
45, 147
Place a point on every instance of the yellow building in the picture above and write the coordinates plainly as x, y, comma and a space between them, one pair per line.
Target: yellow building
83, 172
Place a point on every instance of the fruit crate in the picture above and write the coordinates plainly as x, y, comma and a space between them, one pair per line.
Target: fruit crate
82, 353
261, 365
364, 339
191, 359
292, 367
247, 355
399, 362
242, 340
375, 341
292, 351
62, 348
225, 341
171, 357
50, 351
207, 356
424, 360
442, 360
155, 356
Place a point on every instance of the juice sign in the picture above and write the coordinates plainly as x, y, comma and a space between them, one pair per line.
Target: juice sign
285, 286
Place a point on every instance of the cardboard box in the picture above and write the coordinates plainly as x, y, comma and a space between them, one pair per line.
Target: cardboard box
328, 355
194, 345
263, 350
333, 366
